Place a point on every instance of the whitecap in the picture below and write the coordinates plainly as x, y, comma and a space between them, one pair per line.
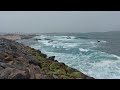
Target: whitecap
96, 64
84, 50
103, 41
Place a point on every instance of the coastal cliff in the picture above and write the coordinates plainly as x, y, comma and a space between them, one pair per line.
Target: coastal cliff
18, 61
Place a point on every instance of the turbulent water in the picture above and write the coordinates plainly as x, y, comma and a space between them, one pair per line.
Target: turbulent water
84, 52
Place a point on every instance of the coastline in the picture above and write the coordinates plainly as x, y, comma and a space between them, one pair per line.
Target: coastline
47, 67
15, 37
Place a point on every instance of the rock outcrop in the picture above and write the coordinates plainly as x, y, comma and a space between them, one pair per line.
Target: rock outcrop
22, 62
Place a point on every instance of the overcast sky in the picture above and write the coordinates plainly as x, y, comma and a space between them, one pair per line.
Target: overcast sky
59, 21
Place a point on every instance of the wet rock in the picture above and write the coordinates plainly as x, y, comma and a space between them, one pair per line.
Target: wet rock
50, 41
38, 51
56, 60
62, 64
37, 39
51, 58
87, 77
47, 39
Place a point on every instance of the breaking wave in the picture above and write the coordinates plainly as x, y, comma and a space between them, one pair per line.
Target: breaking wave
80, 54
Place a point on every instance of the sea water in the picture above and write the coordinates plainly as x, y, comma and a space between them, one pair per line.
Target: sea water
83, 52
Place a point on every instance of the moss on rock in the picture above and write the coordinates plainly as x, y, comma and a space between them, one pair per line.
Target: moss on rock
75, 75
65, 77
55, 68
60, 72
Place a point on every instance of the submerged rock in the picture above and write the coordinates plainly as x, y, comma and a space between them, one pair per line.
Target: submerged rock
37, 39
47, 39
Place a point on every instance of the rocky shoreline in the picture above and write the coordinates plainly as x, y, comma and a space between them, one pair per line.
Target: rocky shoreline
18, 61
15, 37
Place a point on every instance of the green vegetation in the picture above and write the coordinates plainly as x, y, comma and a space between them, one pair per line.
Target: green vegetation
75, 74
54, 68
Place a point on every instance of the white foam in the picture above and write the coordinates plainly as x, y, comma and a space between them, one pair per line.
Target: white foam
69, 45
58, 44
64, 38
97, 64
93, 42
42, 37
103, 41
100, 70
73, 37
116, 56
35, 46
106, 69
85, 50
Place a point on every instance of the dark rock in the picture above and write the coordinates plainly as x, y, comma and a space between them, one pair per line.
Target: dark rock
15, 55
2, 44
1, 60
62, 64
51, 57
55, 60
1, 68
43, 55
47, 39
50, 41
35, 63
38, 51
13, 47
37, 39
87, 77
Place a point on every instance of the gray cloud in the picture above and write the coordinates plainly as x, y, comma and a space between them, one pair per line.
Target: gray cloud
59, 21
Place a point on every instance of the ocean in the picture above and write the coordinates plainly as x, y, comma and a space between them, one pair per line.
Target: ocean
96, 54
